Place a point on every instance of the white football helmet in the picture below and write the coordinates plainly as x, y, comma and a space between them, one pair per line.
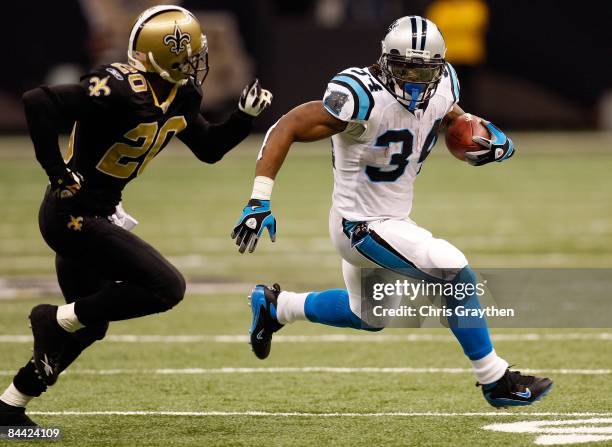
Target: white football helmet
412, 60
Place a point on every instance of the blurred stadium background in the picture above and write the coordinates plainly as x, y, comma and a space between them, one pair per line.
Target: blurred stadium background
526, 64
540, 69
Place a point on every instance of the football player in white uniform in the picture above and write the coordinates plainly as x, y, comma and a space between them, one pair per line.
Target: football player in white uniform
383, 121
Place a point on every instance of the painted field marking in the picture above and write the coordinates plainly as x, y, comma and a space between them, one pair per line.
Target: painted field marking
308, 414
330, 338
572, 431
549, 432
310, 369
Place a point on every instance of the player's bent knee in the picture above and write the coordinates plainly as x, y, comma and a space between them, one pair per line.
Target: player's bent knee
466, 276
445, 258
172, 290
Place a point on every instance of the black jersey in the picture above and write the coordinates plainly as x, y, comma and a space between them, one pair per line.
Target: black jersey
126, 126
118, 127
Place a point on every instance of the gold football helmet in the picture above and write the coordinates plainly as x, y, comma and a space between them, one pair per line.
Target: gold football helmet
168, 40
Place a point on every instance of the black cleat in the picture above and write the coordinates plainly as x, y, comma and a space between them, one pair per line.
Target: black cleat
49, 340
515, 389
14, 416
264, 324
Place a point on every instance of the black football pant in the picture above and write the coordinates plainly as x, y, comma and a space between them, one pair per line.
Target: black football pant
109, 273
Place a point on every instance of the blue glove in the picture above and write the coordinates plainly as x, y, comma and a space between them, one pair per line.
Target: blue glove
498, 148
255, 217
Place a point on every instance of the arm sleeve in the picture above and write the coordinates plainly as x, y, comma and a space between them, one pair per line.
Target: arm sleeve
49, 110
210, 142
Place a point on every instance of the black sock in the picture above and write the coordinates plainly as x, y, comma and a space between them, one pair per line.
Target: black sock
27, 382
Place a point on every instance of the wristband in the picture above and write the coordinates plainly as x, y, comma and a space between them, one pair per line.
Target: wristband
262, 188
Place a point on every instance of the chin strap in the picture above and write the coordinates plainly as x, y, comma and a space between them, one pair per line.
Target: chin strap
163, 73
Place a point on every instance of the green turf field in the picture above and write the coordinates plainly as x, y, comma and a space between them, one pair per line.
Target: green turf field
548, 207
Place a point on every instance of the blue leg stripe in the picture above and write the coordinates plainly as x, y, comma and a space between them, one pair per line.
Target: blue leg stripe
380, 252
471, 332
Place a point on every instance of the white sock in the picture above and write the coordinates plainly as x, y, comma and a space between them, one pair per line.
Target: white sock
14, 397
490, 368
290, 307
67, 319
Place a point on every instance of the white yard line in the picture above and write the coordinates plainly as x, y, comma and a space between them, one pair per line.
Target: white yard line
331, 338
310, 369
307, 414
17, 289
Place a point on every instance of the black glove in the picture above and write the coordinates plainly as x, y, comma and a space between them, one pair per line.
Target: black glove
66, 185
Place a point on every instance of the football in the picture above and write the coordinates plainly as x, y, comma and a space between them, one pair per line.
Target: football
459, 135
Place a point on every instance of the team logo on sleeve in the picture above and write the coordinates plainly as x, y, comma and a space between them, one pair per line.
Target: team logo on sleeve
98, 86
335, 101
178, 40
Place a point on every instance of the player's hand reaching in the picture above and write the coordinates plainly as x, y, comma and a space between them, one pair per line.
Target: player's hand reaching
66, 185
255, 217
498, 148
254, 99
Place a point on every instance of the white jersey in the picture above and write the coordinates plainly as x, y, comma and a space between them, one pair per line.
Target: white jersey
378, 156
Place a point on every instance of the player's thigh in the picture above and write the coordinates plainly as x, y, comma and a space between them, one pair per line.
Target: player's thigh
123, 256
115, 255
416, 247
78, 278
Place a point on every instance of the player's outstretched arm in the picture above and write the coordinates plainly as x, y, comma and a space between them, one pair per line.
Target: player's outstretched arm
497, 148
210, 142
307, 122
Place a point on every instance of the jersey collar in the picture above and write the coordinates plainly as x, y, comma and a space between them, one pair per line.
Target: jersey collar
166, 104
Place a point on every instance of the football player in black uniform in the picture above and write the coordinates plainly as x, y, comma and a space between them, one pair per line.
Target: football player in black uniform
122, 115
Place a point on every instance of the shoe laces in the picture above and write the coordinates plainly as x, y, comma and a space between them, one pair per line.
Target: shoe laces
515, 378
512, 380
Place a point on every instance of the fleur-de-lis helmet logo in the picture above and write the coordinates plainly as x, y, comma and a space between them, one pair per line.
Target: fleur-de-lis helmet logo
177, 40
